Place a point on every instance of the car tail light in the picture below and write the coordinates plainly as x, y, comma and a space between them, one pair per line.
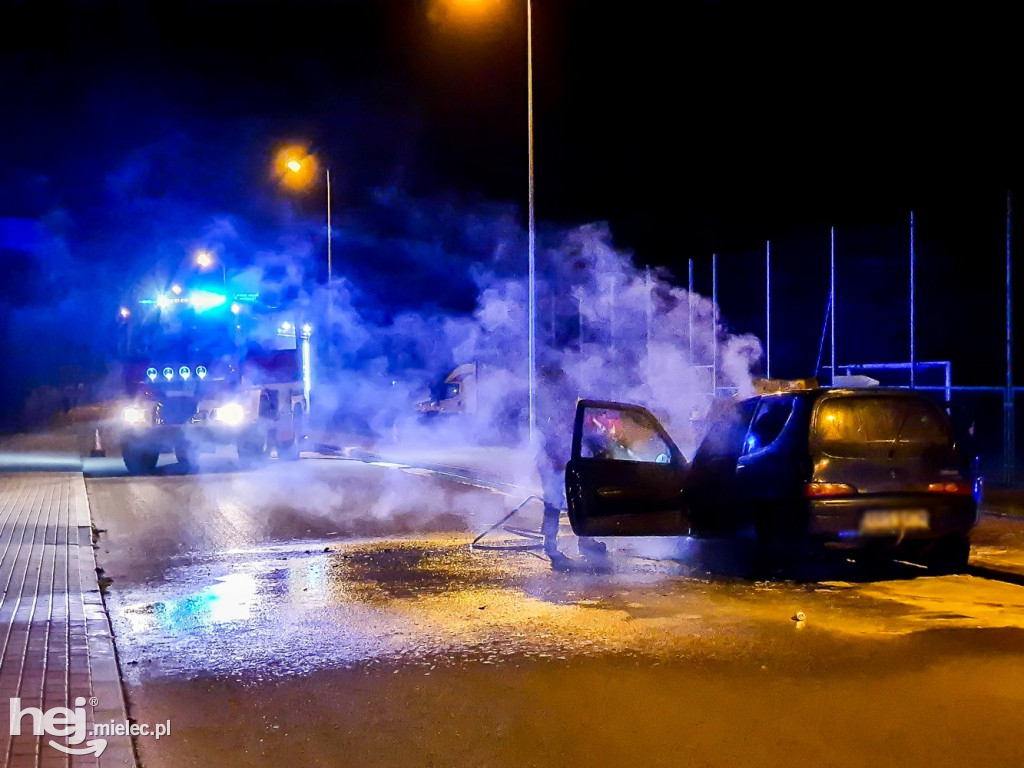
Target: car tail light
957, 488
817, 490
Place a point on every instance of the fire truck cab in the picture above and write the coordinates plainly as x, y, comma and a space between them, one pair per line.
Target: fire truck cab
208, 369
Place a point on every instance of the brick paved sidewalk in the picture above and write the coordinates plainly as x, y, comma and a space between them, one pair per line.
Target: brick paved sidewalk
55, 640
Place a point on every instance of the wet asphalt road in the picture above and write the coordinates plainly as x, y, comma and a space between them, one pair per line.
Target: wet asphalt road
331, 612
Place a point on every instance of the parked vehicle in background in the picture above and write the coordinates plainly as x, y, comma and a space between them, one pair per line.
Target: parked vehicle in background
485, 402
866, 471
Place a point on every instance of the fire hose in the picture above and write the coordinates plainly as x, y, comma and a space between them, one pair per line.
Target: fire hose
534, 539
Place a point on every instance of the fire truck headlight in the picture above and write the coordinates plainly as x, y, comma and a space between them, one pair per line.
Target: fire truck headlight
134, 415
231, 414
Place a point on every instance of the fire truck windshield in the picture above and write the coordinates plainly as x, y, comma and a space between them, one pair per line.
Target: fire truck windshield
182, 340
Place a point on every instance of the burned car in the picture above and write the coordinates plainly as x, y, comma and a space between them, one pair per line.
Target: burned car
868, 471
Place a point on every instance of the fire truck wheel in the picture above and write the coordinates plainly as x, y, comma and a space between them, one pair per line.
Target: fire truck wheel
288, 450
187, 456
254, 448
140, 462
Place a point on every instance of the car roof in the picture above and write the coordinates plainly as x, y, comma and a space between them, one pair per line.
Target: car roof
814, 394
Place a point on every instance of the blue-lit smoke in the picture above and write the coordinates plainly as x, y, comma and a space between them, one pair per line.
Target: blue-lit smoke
420, 286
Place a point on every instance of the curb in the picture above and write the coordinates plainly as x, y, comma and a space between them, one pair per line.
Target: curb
465, 474
104, 668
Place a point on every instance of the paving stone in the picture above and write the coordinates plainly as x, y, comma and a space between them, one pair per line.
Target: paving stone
55, 640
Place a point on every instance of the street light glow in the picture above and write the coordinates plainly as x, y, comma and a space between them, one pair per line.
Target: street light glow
484, 16
125, 313
176, 289
205, 259
294, 167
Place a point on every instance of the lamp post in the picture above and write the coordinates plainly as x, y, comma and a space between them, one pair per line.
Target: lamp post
532, 238
472, 12
296, 169
205, 260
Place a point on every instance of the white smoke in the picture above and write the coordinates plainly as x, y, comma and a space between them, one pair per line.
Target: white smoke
608, 330
605, 329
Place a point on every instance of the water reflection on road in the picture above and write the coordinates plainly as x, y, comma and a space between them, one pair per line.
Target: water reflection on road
292, 609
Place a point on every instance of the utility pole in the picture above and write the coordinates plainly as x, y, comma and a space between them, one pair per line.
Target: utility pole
689, 314
714, 325
649, 318
768, 307
832, 293
1009, 436
912, 360
532, 331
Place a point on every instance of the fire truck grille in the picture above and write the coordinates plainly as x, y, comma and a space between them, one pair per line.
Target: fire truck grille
176, 410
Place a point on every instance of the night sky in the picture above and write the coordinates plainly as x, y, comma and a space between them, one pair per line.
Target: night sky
691, 127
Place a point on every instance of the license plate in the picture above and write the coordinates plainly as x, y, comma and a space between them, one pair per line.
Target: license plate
885, 521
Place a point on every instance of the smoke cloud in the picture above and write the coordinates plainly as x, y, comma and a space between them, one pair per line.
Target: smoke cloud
606, 329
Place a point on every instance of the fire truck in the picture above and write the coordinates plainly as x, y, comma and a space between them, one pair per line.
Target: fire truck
204, 368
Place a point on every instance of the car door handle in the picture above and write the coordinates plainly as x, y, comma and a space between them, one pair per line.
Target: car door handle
611, 490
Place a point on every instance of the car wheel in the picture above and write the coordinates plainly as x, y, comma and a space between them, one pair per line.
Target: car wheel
140, 462
948, 556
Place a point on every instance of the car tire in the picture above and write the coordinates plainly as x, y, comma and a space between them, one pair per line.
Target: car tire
948, 556
140, 462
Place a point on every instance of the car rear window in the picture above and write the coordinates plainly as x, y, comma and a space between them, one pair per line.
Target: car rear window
769, 422
726, 428
868, 426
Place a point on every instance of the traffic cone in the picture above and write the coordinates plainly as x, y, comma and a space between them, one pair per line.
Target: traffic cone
97, 446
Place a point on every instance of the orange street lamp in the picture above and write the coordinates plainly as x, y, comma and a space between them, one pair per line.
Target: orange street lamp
204, 260
295, 168
474, 12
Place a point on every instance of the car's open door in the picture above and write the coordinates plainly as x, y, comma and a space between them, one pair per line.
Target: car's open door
625, 476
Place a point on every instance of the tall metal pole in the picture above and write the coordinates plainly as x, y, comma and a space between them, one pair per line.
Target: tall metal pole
328, 227
714, 325
768, 306
912, 365
832, 293
649, 318
689, 314
1009, 427
532, 239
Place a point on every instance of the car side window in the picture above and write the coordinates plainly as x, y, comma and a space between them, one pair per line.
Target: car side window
768, 422
622, 435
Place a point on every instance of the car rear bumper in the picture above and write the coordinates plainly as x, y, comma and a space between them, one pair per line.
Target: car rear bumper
842, 521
